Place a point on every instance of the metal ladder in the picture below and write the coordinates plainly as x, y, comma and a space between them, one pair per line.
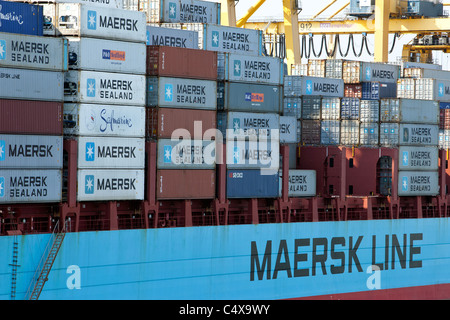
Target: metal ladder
14, 268
46, 263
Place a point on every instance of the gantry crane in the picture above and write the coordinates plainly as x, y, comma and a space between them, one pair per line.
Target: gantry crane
388, 18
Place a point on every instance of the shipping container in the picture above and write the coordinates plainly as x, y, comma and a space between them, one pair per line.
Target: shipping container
310, 132
97, 3
350, 108
369, 110
257, 154
311, 107
162, 123
181, 62
33, 52
432, 89
31, 151
110, 185
349, 135
369, 134
50, 19
316, 68
444, 105
331, 109
186, 154
80, 20
247, 125
30, 186
389, 134
378, 90
417, 111
158, 36
390, 110
330, 132
102, 87
26, 84
106, 55
111, 153
252, 69
185, 184
333, 68
353, 90
21, 18
302, 183
301, 86
299, 69
418, 134
444, 119
103, 120
292, 106
406, 88
288, 130
418, 158
175, 11
31, 117
410, 64
181, 93
252, 184
360, 71
426, 73
418, 183
444, 139
235, 96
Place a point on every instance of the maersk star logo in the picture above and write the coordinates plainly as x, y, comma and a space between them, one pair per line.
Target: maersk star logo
309, 87
405, 184
2, 187
2, 49
405, 158
2, 150
89, 184
168, 95
215, 38
237, 68
90, 151
236, 155
441, 89
236, 124
368, 73
167, 154
91, 87
92, 19
172, 10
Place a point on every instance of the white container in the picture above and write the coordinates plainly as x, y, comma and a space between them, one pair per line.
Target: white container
184, 11
389, 134
418, 134
81, 20
104, 185
302, 183
369, 110
418, 158
31, 151
104, 120
406, 88
186, 154
102, 87
426, 73
349, 132
331, 108
111, 153
30, 186
369, 134
316, 68
418, 183
32, 52
26, 84
330, 132
158, 36
107, 55
389, 110
288, 129
432, 89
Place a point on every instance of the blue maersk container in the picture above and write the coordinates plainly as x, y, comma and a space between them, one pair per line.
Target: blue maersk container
378, 90
22, 18
251, 183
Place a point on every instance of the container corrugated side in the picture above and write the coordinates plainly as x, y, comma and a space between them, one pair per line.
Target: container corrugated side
409, 64
432, 89
418, 183
418, 134
181, 93
31, 151
30, 186
111, 153
418, 111
21, 18
106, 55
158, 36
98, 3
418, 158
301, 183
252, 184
247, 125
104, 185
103, 87
76, 19
426, 73
33, 52
104, 120
186, 11
181, 62
288, 129
315, 86
185, 184
186, 154
359, 71
254, 154
26, 84
31, 117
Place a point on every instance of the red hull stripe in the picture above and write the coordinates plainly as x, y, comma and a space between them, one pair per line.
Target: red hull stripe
433, 292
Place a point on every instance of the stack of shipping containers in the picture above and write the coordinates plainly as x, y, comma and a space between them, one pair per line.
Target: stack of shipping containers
31, 82
104, 94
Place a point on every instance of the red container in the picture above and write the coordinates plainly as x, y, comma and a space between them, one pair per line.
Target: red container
161, 122
444, 119
185, 184
353, 90
310, 132
181, 62
31, 117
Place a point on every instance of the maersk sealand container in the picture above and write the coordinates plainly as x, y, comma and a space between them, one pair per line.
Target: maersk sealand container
21, 18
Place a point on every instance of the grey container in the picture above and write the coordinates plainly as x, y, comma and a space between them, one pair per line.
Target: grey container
235, 96
288, 129
315, 86
418, 134
418, 183
302, 183
389, 134
31, 151
30, 186
253, 154
181, 93
330, 132
426, 73
418, 158
418, 111
31, 84
158, 36
369, 111
292, 106
369, 134
311, 107
186, 154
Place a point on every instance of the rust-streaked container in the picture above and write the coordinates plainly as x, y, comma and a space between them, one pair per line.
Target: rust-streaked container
31, 117
311, 132
161, 122
353, 90
181, 62
185, 184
